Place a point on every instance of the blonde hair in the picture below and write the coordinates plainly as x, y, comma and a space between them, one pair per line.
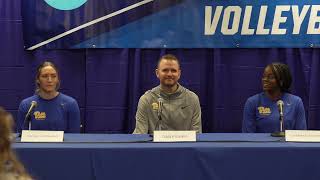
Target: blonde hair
9, 164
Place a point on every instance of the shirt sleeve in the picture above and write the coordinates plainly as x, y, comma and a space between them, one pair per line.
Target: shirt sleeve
196, 118
300, 114
73, 118
249, 118
142, 126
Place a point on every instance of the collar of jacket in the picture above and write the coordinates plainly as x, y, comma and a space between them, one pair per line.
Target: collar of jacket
159, 93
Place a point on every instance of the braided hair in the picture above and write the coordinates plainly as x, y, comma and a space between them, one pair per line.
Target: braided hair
283, 76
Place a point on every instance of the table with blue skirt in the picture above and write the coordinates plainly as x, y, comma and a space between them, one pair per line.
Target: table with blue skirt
218, 156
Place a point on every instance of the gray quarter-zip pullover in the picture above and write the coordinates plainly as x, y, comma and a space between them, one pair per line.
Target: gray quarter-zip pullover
181, 111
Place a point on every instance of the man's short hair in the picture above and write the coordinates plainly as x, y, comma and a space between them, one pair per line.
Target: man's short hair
169, 57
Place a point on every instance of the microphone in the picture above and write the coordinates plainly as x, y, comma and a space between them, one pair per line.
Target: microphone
160, 105
281, 133
159, 113
27, 117
32, 106
280, 107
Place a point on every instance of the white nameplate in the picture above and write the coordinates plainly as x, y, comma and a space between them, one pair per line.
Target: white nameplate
41, 136
302, 136
174, 136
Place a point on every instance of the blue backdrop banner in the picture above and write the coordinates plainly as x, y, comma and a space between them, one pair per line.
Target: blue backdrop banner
170, 23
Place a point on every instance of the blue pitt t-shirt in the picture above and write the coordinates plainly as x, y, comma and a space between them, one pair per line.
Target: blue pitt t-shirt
261, 114
59, 114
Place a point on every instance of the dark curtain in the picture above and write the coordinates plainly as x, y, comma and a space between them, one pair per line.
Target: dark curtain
107, 83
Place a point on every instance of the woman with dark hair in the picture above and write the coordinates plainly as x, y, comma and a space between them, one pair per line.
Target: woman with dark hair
10, 167
261, 113
54, 110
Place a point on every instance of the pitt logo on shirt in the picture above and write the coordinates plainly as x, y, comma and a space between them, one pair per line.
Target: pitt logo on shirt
39, 115
264, 110
155, 106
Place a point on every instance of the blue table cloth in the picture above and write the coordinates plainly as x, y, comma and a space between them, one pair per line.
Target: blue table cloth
219, 156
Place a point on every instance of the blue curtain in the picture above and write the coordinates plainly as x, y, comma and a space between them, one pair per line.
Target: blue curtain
107, 83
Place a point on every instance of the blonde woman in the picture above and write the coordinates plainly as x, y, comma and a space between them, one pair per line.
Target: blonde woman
10, 167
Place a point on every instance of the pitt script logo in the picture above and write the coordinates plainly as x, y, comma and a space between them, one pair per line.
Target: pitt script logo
39, 115
155, 106
264, 111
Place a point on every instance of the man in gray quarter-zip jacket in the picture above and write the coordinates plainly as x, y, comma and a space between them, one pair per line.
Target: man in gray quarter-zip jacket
178, 107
